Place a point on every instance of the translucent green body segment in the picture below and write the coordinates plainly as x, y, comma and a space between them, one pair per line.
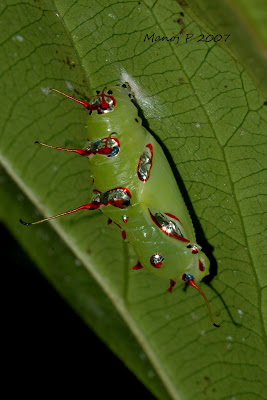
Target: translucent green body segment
134, 187
158, 192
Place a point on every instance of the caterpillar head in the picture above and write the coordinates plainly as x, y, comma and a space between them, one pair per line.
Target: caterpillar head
104, 101
106, 109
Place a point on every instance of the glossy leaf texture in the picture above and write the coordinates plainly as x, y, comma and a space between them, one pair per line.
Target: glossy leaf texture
210, 118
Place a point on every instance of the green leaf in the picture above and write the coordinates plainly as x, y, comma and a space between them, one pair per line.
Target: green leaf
246, 24
211, 119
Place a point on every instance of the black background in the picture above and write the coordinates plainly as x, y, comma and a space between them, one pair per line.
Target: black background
47, 348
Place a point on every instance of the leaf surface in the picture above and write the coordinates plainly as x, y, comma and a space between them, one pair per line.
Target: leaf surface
211, 120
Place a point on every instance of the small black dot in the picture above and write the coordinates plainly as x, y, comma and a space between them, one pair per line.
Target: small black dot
136, 119
124, 85
182, 14
110, 92
130, 95
265, 103
98, 91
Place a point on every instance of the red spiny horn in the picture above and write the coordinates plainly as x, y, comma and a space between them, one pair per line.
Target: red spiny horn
83, 103
190, 280
82, 152
89, 206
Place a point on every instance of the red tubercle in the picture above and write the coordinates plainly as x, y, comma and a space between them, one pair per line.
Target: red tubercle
126, 190
137, 266
106, 150
201, 266
95, 147
123, 233
173, 216
109, 221
125, 218
139, 174
177, 219
188, 278
193, 247
104, 105
120, 203
173, 235
158, 265
101, 108
172, 284
150, 147
117, 203
156, 260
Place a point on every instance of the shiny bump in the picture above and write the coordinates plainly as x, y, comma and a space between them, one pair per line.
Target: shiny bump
195, 248
169, 224
156, 260
145, 163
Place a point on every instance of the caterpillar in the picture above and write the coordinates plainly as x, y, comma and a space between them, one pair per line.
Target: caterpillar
134, 187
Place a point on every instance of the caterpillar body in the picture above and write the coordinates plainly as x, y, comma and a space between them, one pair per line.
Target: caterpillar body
134, 187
